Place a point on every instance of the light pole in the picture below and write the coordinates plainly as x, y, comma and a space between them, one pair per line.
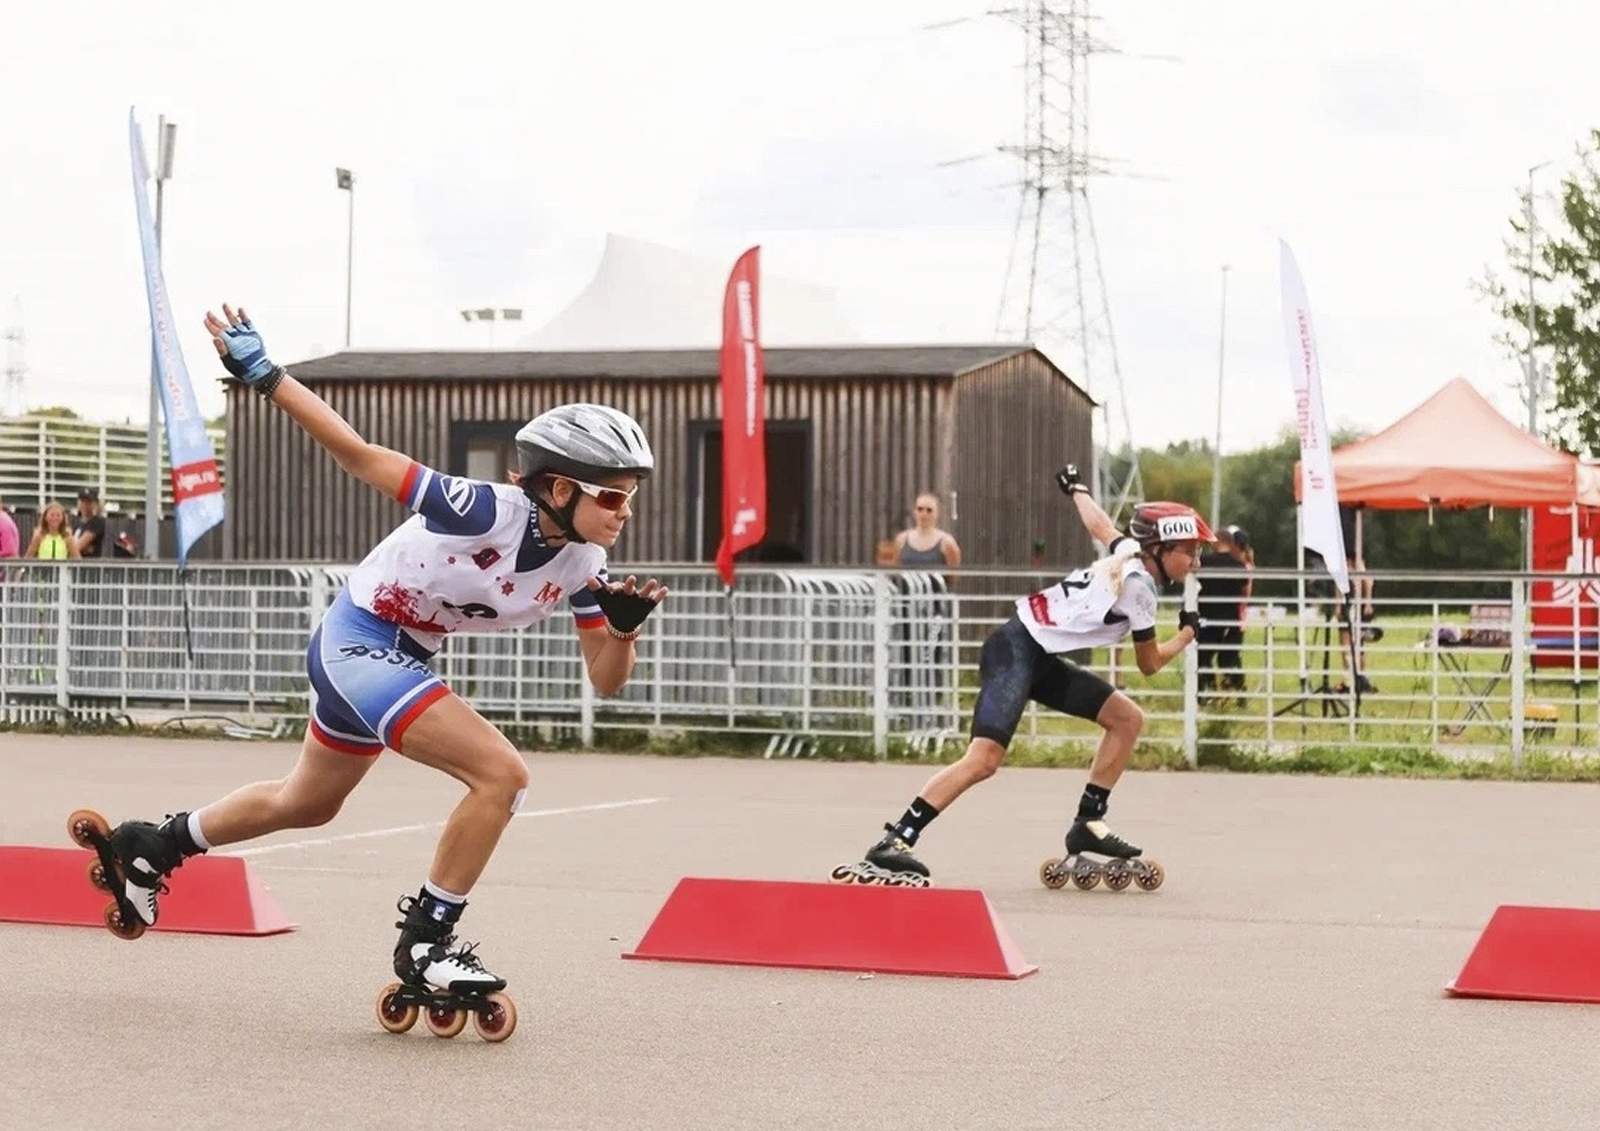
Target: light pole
491, 315
347, 182
1216, 448
166, 140
1531, 371
1530, 368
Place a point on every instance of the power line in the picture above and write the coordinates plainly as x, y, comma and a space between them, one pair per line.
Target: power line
16, 371
1055, 291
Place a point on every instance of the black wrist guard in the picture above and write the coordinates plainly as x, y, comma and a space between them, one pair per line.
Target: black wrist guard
625, 612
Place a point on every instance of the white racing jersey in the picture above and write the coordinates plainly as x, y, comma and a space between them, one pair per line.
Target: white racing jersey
1083, 610
472, 557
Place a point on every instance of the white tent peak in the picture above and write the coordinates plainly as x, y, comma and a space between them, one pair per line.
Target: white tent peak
648, 296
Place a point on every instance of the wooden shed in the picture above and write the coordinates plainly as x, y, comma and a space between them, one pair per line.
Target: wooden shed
853, 434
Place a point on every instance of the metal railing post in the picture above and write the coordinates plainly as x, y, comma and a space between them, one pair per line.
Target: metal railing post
1191, 707
880, 665
63, 636
586, 705
1518, 658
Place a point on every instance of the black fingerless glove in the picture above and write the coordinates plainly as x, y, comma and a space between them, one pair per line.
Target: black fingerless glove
1068, 480
625, 612
1188, 618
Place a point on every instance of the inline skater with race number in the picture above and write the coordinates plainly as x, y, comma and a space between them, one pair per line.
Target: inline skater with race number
1092, 607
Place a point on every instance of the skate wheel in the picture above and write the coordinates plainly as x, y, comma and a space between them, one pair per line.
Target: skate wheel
1052, 875
1118, 876
81, 822
116, 925
1150, 876
496, 1019
444, 1020
1086, 881
843, 874
97, 875
392, 1015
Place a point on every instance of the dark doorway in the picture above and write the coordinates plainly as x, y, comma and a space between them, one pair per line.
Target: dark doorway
789, 518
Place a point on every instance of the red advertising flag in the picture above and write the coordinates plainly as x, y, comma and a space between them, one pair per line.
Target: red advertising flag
744, 425
1566, 612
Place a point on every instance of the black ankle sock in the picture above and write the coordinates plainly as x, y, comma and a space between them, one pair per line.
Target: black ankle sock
177, 827
1092, 806
914, 820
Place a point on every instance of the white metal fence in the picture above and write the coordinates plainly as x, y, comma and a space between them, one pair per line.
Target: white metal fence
45, 459
817, 655
881, 660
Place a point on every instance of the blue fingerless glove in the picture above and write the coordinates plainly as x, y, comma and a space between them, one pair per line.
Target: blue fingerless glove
247, 358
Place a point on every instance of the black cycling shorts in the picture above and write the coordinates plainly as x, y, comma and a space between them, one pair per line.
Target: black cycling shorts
1014, 669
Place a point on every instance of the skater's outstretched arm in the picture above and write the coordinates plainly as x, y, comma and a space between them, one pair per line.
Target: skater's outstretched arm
244, 355
1136, 605
1152, 656
1098, 523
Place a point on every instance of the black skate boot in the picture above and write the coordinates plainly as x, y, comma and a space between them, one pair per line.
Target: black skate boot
135, 860
1123, 863
147, 854
426, 954
1097, 837
889, 862
444, 982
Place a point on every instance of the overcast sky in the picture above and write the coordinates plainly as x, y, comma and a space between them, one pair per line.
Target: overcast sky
495, 144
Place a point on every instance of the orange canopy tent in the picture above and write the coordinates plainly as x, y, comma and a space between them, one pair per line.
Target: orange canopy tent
1456, 450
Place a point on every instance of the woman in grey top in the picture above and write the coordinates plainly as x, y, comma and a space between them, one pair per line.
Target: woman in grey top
924, 544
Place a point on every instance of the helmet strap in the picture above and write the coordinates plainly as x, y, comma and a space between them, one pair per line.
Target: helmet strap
561, 516
1157, 556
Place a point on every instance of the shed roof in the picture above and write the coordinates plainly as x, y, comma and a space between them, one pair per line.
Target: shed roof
666, 364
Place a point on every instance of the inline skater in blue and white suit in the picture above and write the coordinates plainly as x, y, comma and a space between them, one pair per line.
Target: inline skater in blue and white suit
475, 555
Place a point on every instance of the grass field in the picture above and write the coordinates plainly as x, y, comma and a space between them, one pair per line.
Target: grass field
1432, 712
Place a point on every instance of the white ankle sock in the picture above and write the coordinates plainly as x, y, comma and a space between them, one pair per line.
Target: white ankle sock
194, 832
440, 894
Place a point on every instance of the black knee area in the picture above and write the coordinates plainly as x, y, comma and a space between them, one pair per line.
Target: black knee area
1086, 695
1001, 736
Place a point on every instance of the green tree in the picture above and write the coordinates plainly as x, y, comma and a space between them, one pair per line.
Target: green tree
1181, 473
1565, 267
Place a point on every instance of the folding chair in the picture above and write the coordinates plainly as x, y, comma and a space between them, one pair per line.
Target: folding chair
1489, 628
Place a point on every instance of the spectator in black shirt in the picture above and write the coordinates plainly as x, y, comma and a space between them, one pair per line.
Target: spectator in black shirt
1224, 588
88, 527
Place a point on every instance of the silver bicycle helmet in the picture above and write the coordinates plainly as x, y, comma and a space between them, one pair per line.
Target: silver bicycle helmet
581, 441
584, 441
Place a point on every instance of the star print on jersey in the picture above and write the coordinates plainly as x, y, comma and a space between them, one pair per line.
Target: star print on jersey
493, 562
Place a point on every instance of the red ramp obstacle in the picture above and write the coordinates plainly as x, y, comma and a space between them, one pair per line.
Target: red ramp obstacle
1535, 954
952, 932
211, 895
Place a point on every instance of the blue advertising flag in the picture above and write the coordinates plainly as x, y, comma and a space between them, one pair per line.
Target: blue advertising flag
196, 484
